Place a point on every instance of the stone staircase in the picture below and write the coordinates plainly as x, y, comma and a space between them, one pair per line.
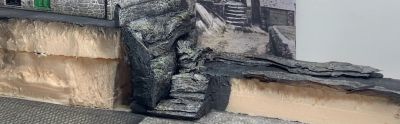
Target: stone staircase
235, 14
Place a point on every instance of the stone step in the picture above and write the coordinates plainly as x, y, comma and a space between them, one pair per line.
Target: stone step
235, 14
238, 23
236, 27
236, 11
236, 19
236, 7
235, 3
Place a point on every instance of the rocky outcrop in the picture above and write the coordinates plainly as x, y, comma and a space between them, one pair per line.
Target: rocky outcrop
150, 37
351, 78
188, 97
157, 36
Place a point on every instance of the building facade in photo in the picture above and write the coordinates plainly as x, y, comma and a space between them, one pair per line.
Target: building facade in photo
89, 8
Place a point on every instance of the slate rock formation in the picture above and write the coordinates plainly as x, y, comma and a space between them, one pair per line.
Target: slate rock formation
352, 78
149, 38
158, 38
189, 97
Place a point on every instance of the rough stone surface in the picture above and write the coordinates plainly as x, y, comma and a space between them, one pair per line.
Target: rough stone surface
330, 69
92, 8
149, 8
220, 71
283, 41
189, 83
188, 98
150, 42
180, 109
191, 59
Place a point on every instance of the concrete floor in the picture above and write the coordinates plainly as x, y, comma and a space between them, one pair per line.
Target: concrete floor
17, 111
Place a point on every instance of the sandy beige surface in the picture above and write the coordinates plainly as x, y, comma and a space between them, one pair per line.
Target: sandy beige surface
253, 43
310, 104
54, 38
60, 79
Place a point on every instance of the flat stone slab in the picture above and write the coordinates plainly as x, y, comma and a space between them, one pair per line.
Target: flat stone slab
47, 16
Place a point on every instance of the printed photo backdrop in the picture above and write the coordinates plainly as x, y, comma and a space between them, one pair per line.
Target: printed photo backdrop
253, 27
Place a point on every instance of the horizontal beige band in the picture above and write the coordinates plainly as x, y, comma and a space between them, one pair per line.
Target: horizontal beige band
309, 103
55, 38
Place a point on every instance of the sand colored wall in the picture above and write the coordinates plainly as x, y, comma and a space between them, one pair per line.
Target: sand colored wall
312, 104
54, 38
58, 79
62, 63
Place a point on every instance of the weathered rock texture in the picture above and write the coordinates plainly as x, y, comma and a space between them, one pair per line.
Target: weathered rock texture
283, 41
189, 97
348, 78
159, 36
150, 29
92, 8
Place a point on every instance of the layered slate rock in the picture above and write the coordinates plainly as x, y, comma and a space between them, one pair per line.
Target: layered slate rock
348, 77
191, 58
161, 44
329, 69
188, 97
150, 31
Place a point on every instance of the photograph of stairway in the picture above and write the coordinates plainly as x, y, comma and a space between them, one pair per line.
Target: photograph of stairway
235, 13
253, 27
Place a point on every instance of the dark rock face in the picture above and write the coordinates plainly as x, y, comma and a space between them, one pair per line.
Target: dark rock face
157, 34
150, 40
188, 98
191, 59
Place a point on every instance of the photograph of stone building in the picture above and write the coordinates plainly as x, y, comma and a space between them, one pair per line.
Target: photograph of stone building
256, 26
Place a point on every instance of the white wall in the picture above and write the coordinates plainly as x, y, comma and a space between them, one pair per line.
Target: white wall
365, 32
